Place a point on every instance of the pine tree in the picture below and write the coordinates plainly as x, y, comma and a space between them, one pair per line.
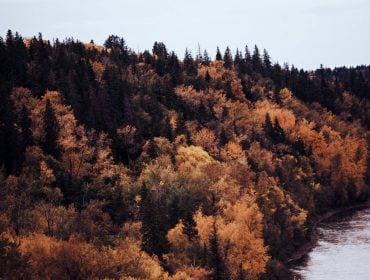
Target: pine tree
208, 77
242, 275
153, 229
199, 56
217, 262
256, 60
26, 133
189, 66
238, 59
206, 58
247, 63
279, 133
189, 228
268, 125
160, 50
51, 131
228, 59
10, 148
266, 63
218, 54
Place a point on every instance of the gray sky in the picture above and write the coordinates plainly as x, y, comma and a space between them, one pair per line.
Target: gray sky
305, 33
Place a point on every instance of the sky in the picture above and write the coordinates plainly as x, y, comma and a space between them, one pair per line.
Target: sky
305, 33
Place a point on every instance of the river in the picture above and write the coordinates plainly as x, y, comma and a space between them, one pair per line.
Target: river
342, 251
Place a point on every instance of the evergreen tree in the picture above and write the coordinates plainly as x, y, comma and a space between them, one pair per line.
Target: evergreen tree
208, 77
256, 60
242, 275
206, 58
189, 66
228, 59
199, 56
10, 148
266, 63
154, 228
160, 50
189, 229
217, 262
268, 125
247, 65
238, 59
51, 131
247, 55
279, 133
25, 124
218, 54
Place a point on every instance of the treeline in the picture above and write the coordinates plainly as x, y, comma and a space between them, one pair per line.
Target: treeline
124, 165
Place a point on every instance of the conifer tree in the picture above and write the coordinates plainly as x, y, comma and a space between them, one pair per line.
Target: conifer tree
228, 59
189, 226
51, 131
256, 60
217, 262
278, 131
268, 125
218, 54
153, 229
25, 124
206, 58
266, 63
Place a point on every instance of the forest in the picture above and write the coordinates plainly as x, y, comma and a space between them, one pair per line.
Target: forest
116, 164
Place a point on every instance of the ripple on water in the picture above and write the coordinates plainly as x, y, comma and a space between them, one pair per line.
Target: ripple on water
342, 251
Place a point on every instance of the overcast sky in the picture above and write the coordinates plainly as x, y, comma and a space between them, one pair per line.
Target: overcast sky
305, 33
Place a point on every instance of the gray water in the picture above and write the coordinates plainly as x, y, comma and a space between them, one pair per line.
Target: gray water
342, 251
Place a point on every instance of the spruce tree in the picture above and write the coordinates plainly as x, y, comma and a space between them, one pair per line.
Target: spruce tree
228, 59
256, 60
154, 228
206, 58
51, 131
190, 229
268, 125
25, 124
218, 54
266, 63
217, 262
279, 133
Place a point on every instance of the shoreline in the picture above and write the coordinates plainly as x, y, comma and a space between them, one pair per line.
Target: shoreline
311, 243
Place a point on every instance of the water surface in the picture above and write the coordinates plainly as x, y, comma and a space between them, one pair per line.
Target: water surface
342, 251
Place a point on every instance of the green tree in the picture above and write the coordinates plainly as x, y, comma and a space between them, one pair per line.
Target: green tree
51, 131
154, 228
228, 59
217, 261
218, 54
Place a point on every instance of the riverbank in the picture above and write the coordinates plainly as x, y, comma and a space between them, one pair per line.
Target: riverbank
311, 243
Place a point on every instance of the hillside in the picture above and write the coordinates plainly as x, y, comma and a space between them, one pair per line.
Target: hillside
124, 165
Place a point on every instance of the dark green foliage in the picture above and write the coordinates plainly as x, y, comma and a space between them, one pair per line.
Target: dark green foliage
216, 260
228, 59
218, 54
25, 125
189, 64
51, 129
266, 63
154, 227
274, 131
190, 226
206, 58
10, 148
256, 60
